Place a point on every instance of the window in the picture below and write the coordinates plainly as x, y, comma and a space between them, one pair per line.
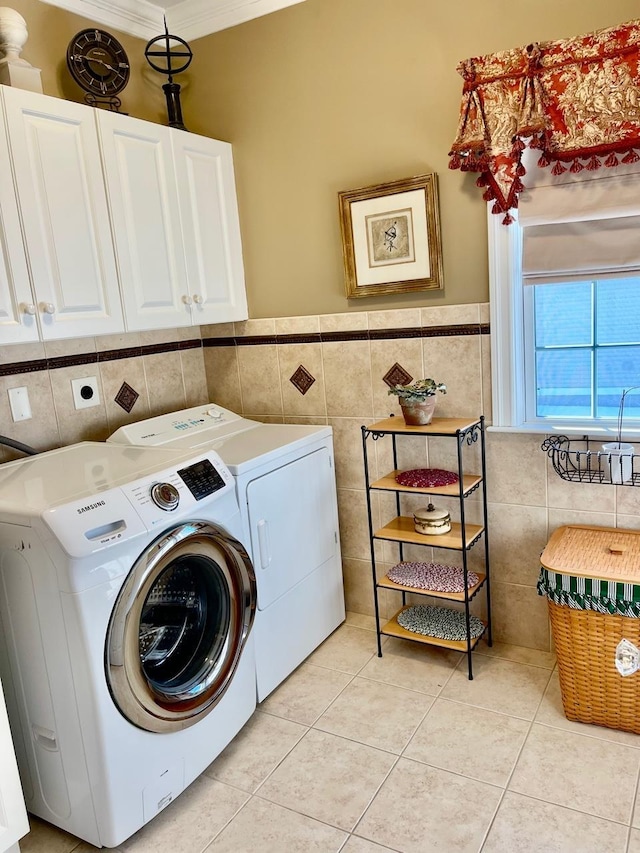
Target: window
565, 308
584, 344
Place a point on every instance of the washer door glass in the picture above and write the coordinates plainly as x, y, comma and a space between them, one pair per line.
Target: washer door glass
178, 627
184, 623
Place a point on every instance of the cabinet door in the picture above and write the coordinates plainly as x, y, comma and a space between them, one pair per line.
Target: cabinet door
56, 160
143, 200
210, 228
13, 814
16, 300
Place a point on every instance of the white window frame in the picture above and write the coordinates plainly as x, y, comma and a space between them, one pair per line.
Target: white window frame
508, 351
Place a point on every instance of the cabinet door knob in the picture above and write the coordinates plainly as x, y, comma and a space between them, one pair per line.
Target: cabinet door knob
187, 300
28, 308
197, 298
48, 307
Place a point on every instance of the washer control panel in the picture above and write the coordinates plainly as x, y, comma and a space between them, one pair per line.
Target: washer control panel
202, 479
103, 518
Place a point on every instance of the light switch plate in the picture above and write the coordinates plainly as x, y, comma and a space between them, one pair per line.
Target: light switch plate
85, 392
19, 403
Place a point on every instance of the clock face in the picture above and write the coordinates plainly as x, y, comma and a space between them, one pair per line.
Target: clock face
98, 63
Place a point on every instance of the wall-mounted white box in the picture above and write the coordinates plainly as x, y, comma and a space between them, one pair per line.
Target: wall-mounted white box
19, 403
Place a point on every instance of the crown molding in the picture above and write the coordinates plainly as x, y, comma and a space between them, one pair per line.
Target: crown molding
136, 17
190, 19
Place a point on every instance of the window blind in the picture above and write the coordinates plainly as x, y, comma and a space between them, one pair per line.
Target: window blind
570, 251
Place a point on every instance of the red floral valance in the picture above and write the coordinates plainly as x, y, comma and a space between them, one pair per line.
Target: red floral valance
577, 100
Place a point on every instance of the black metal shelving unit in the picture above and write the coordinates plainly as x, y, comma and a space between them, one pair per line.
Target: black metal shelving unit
462, 537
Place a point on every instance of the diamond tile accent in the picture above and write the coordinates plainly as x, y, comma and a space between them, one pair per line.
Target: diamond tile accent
397, 375
126, 397
302, 379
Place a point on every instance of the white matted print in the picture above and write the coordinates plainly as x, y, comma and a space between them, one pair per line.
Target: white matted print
391, 237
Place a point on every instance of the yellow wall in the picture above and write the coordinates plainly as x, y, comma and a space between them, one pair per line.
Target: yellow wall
331, 95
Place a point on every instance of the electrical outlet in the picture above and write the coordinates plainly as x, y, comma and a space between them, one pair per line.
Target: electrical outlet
85, 392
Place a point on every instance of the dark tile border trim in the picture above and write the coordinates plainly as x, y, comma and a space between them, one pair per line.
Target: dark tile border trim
360, 335
18, 367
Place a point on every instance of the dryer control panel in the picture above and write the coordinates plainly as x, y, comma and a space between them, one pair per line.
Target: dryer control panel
194, 427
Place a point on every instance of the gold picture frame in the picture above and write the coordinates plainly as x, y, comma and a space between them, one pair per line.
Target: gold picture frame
391, 237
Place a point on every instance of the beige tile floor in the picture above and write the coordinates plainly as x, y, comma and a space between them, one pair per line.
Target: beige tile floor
361, 754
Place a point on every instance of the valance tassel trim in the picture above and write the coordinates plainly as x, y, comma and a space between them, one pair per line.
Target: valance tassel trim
540, 96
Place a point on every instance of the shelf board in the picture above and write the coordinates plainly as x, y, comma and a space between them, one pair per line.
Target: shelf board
387, 583
401, 529
438, 426
388, 483
393, 629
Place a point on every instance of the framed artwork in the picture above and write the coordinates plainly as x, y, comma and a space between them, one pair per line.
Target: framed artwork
391, 237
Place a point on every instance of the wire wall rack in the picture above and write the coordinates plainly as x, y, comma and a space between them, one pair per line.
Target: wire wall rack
583, 460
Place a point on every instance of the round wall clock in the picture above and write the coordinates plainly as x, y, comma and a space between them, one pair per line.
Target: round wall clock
98, 63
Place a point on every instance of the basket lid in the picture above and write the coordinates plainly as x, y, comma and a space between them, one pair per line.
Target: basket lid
597, 552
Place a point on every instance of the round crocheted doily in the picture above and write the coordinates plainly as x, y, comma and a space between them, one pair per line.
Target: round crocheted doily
426, 478
439, 622
435, 576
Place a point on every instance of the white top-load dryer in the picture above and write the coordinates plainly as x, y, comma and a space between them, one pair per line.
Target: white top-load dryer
286, 490
126, 652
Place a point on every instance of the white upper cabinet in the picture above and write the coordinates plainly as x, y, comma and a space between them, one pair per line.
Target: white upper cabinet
65, 219
17, 321
109, 223
143, 200
175, 224
210, 228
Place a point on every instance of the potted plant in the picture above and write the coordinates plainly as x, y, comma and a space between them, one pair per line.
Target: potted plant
418, 400
619, 453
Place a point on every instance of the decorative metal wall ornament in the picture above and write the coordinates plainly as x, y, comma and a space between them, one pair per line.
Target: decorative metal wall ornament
174, 58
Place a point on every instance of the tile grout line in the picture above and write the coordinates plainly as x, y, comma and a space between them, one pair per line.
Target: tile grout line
400, 756
633, 810
351, 740
515, 764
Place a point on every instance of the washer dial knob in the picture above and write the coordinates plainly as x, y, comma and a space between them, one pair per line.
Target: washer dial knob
165, 496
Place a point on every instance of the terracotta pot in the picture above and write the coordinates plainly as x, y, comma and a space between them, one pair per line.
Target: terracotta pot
418, 414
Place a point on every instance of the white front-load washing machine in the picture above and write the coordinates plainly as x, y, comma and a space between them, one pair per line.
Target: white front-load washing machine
127, 600
286, 490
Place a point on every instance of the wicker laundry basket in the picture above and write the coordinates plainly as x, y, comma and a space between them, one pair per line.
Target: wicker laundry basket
591, 578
